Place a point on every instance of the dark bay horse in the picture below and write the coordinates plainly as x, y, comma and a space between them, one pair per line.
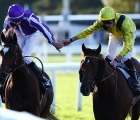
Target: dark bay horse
22, 92
114, 98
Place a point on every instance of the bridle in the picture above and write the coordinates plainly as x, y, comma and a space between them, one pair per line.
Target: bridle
93, 79
12, 69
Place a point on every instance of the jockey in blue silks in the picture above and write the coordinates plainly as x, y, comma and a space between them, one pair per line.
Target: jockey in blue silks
27, 27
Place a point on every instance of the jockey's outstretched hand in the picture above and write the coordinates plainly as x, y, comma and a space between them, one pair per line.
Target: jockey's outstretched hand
58, 45
66, 42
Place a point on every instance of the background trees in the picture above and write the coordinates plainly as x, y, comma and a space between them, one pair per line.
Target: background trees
54, 7
122, 6
4, 5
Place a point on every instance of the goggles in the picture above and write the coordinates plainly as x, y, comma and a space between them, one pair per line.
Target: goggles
105, 22
15, 22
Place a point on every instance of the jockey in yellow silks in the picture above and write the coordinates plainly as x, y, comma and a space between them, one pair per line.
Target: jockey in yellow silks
127, 34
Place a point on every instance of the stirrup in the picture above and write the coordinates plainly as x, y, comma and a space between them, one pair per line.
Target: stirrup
45, 82
44, 87
136, 90
136, 93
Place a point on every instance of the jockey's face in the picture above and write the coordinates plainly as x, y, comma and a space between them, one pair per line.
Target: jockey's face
108, 23
16, 23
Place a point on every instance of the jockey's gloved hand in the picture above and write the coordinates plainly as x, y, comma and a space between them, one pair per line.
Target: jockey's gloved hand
115, 61
58, 45
66, 42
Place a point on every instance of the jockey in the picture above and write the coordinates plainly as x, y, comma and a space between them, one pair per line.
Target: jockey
122, 30
27, 27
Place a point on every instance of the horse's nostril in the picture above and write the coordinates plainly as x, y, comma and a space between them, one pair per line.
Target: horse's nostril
87, 92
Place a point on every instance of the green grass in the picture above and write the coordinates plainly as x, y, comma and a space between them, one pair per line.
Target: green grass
66, 99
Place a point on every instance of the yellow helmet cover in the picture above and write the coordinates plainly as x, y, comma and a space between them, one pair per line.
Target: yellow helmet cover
107, 13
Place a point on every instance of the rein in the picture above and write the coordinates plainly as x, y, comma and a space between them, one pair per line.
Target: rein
12, 70
92, 57
39, 61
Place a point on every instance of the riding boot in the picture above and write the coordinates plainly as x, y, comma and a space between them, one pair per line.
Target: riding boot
134, 82
44, 82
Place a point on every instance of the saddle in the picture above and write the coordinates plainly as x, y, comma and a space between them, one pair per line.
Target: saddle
134, 84
122, 67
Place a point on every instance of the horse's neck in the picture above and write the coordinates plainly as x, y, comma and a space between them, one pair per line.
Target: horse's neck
21, 71
108, 70
107, 87
21, 75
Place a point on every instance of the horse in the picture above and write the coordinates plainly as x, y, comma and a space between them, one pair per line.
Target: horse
22, 91
113, 98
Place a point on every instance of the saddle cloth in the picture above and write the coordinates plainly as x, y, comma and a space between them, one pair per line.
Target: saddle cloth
122, 67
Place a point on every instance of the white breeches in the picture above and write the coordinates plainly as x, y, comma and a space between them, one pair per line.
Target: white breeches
27, 43
114, 43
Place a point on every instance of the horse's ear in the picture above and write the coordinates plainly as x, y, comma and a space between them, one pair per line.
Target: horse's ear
84, 48
3, 38
15, 38
98, 50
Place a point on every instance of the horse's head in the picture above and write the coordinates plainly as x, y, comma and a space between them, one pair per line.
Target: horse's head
91, 69
8, 53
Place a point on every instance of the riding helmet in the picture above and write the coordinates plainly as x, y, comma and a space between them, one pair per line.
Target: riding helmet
15, 12
107, 13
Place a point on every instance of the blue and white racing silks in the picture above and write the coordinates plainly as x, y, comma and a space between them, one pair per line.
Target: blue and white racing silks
29, 25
